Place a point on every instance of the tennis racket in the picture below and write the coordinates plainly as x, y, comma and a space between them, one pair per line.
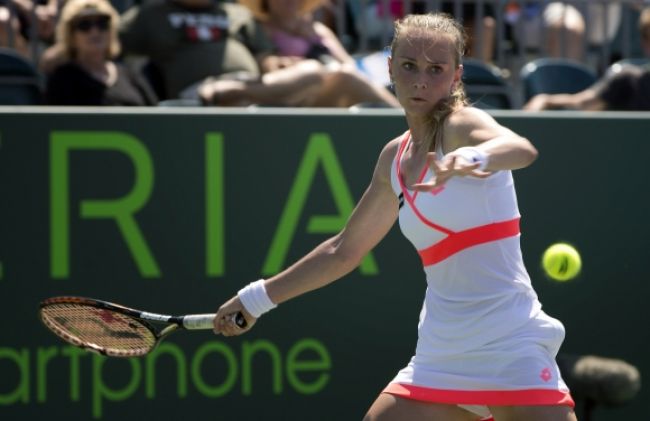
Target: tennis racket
115, 330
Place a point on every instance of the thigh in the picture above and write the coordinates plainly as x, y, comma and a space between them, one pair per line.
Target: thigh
533, 413
388, 407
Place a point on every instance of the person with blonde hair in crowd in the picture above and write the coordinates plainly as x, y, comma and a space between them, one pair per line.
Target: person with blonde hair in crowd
86, 72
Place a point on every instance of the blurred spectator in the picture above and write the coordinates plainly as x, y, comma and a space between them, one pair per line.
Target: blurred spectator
559, 28
86, 44
644, 31
628, 89
338, 16
604, 21
624, 87
27, 25
481, 35
294, 33
217, 52
375, 18
296, 37
187, 41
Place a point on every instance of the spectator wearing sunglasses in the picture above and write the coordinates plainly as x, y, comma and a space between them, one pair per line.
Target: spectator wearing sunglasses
87, 42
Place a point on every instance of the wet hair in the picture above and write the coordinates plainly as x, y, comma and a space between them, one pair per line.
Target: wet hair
444, 25
74, 9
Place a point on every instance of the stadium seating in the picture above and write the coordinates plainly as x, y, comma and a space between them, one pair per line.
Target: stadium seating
618, 66
20, 81
485, 86
554, 76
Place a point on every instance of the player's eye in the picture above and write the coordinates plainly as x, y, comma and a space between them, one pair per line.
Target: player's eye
407, 65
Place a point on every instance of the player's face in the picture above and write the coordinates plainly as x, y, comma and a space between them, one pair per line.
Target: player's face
423, 70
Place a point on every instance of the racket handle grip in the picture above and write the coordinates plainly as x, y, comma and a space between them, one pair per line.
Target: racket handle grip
205, 321
198, 321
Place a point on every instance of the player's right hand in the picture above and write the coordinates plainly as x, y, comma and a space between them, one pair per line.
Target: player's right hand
224, 320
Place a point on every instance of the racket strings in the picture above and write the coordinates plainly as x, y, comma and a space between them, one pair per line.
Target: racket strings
99, 329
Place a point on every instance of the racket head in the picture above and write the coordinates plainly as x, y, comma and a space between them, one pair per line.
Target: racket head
99, 326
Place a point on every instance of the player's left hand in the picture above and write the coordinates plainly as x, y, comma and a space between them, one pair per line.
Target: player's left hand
450, 166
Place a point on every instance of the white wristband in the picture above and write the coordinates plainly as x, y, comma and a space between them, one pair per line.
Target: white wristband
255, 299
473, 155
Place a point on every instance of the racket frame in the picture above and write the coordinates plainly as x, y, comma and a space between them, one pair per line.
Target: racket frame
189, 322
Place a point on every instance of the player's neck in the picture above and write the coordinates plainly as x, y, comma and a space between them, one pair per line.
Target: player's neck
420, 136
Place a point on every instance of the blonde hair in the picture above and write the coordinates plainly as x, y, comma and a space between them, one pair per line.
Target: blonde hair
75, 8
443, 25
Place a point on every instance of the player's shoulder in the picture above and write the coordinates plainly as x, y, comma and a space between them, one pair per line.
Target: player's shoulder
468, 115
468, 119
386, 159
392, 146
396, 141
388, 153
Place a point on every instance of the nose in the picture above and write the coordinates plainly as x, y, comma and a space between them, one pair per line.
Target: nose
420, 83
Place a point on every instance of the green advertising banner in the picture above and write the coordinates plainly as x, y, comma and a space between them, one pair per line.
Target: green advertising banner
173, 211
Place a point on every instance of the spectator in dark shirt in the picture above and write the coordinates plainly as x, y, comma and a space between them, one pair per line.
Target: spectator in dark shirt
187, 41
87, 45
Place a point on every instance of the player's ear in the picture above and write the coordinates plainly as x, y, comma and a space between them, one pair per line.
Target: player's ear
458, 75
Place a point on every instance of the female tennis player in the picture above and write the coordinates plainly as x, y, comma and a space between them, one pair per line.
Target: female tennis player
485, 347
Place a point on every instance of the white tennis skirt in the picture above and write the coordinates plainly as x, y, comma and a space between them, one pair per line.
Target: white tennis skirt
516, 370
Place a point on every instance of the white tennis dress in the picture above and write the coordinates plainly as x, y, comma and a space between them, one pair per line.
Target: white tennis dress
483, 338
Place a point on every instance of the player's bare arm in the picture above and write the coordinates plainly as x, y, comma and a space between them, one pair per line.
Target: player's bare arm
476, 146
505, 149
370, 221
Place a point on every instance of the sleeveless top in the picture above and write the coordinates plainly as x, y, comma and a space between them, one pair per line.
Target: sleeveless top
483, 338
467, 234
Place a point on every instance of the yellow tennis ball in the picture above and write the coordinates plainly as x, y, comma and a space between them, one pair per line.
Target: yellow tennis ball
561, 262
